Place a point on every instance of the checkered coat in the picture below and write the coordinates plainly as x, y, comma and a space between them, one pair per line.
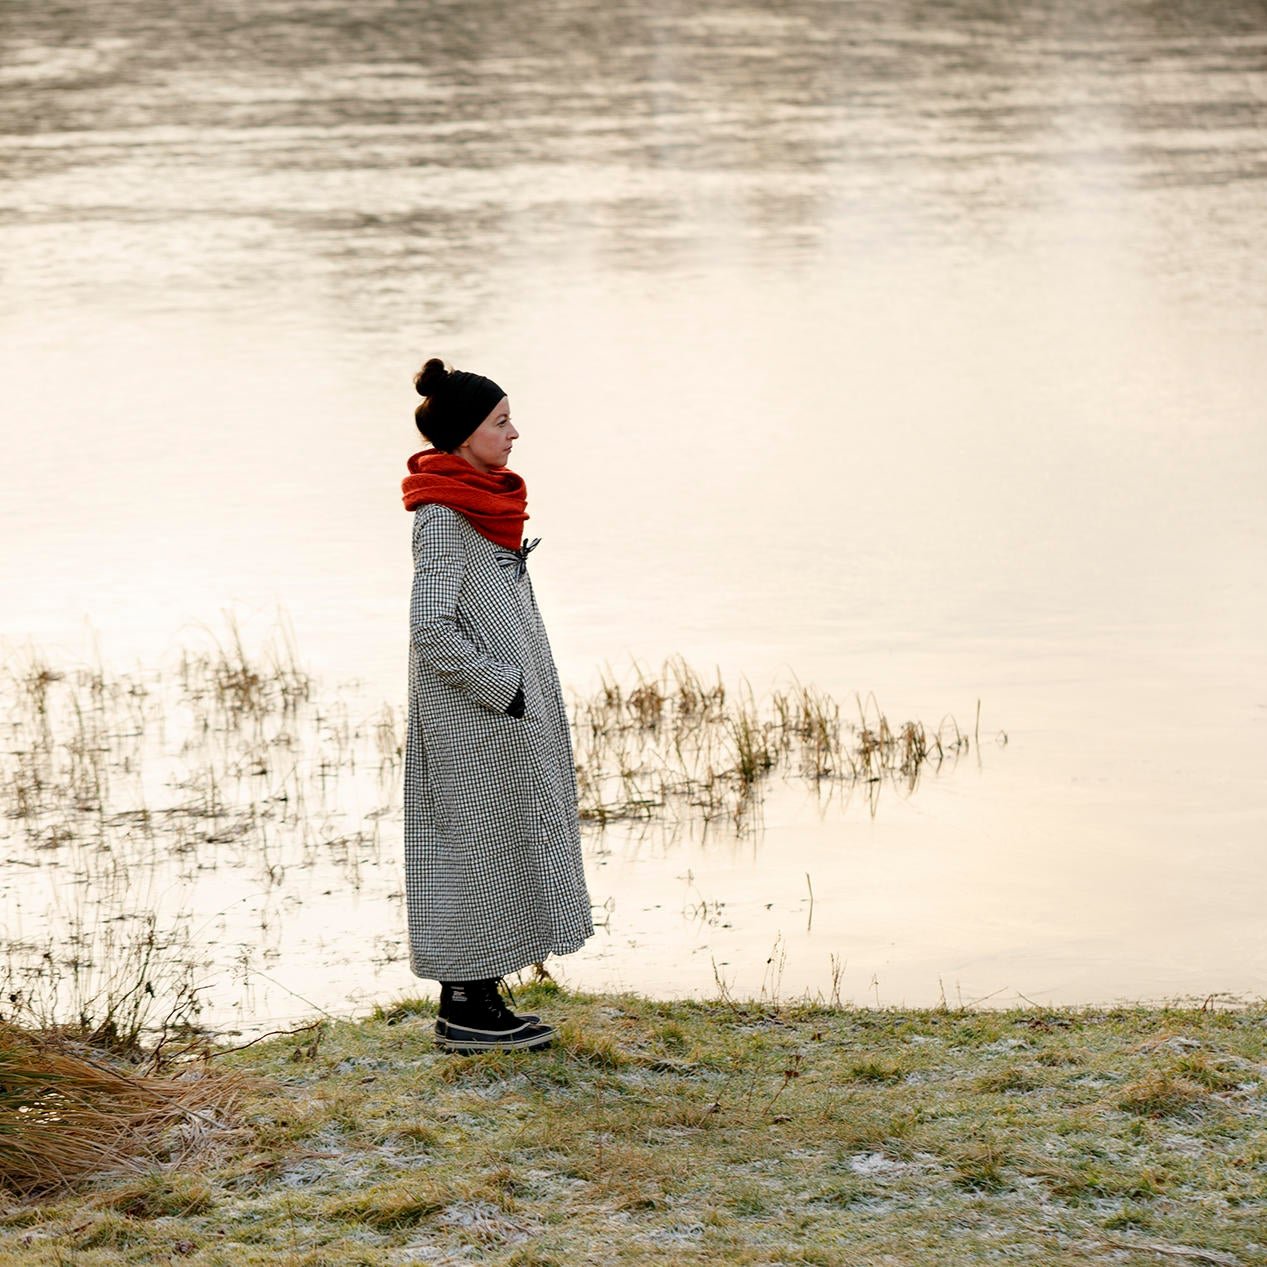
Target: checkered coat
493, 873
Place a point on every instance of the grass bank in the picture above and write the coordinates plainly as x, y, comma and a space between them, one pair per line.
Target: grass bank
711, 1133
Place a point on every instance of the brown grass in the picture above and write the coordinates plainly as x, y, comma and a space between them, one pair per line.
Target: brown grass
65, 1116
676, 744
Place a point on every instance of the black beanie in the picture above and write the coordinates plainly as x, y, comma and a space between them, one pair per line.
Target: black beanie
455, 403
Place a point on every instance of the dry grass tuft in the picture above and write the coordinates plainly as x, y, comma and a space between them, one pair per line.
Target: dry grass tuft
68, 1116
599, 1050
158, 1195
1199, 1068
979, 1166
885, 1070
1161, 1093
1009, 1078
388, 1206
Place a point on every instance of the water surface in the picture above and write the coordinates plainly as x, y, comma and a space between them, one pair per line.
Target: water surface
916, 349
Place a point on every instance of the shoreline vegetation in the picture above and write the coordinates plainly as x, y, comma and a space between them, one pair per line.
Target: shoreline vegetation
750, 1132
684, 1132
126, 793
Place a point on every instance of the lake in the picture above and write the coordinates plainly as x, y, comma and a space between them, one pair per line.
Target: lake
908, 349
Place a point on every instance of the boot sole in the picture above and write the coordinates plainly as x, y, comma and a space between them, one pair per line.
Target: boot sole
469, 1047
528, 1018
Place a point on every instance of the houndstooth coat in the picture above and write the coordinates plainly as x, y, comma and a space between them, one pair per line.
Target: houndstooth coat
494, 878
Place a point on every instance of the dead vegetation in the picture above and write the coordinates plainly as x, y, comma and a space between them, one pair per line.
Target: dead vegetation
124, 794
68, 1114
676, 744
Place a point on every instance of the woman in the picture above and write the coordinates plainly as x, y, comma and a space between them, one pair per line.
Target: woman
493, 872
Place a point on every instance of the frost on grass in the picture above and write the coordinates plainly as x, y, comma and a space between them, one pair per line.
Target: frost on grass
875, 1164
487, 1223
675, 1234
426, 1252
1086, 1139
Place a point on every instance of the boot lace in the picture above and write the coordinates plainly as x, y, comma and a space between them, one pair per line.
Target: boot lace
496, 1004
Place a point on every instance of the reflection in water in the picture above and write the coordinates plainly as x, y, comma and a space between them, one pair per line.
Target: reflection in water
916, 347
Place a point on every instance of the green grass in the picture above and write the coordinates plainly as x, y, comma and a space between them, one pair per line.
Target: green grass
673, 1132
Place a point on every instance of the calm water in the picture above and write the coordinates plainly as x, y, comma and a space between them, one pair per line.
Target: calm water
909, 348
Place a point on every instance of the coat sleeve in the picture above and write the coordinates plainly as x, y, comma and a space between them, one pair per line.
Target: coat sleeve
439, 565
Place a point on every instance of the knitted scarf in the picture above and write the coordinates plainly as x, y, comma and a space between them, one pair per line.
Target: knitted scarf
493, 502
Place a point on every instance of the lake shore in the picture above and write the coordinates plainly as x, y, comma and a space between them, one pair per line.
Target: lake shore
718, 1132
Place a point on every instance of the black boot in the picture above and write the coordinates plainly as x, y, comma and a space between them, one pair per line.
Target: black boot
498, 986
473, 1018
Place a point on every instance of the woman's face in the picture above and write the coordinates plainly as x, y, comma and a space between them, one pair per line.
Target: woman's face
488, 446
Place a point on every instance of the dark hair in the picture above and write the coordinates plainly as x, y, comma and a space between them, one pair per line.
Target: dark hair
455, 402
433, 375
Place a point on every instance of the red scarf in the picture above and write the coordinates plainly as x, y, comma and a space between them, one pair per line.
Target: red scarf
493, 502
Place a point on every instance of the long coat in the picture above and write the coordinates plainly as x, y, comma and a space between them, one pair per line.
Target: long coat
494, 878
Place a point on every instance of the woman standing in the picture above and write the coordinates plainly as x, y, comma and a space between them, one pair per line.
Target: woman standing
493, 872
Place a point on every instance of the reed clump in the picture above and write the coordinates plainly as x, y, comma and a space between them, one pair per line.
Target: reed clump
676, 743
66, 1115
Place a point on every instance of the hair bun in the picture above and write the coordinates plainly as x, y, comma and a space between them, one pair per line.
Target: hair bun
432, 375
